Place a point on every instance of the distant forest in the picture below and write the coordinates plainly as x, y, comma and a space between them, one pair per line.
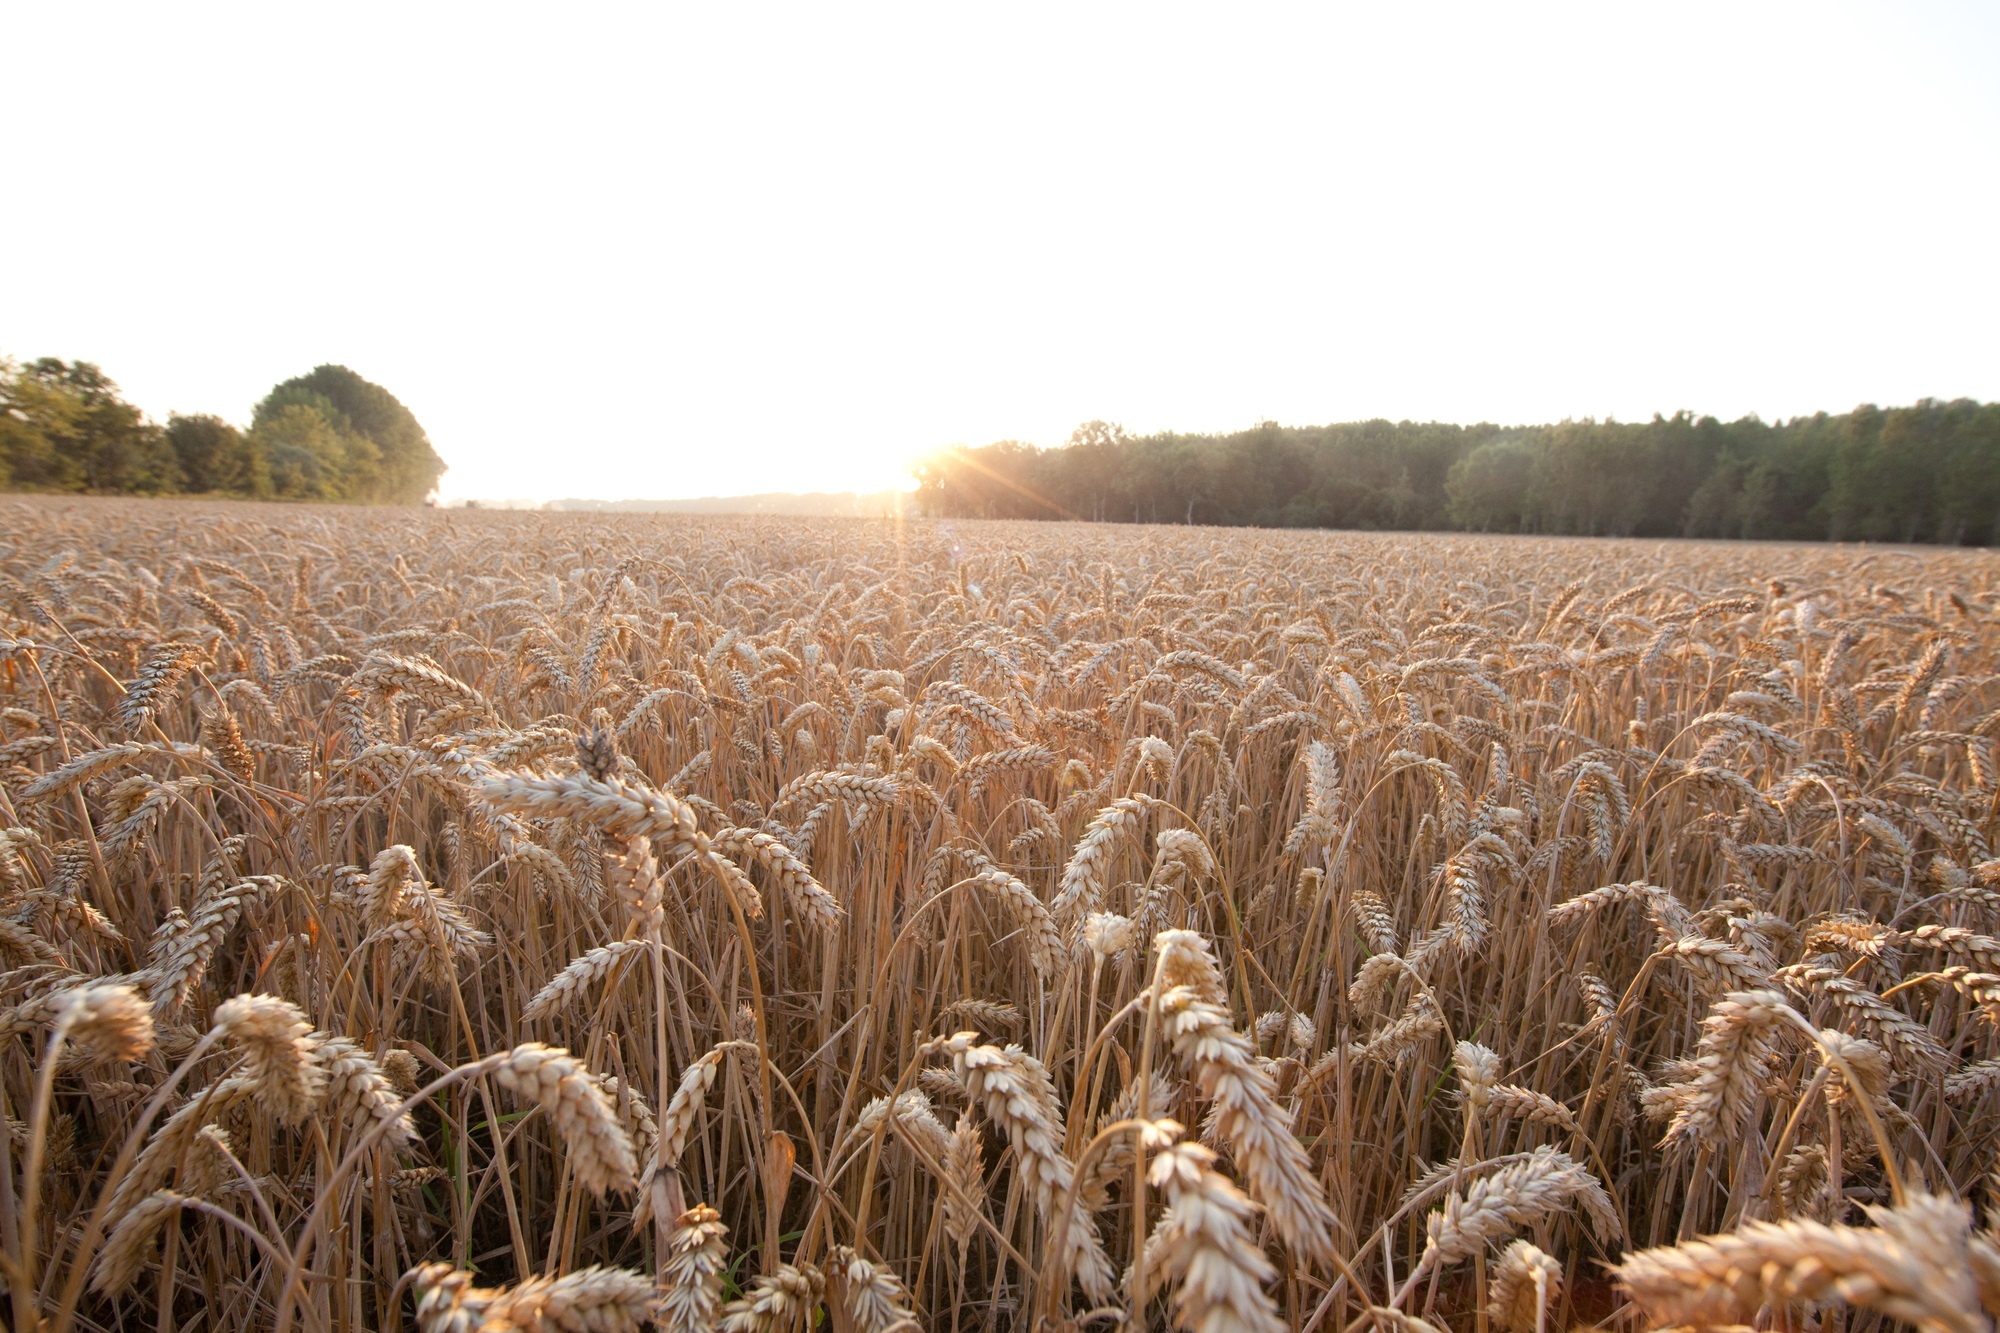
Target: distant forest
1928, 473
329, 435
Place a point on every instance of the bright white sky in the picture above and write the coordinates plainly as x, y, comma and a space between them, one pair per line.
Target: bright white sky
659, 251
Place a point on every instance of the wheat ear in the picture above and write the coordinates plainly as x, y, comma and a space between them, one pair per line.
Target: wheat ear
871, 1293
107, 1022
600, 1151
130, 1243
1525, 1281
596, 1299
776, 1302
1013, 1090
691, 1272
1912, 1265
809, 899
566, 986
1515, 1196
1205, 1241
280, 1052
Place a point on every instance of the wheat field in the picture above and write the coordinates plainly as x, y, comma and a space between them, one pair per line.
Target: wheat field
524, 921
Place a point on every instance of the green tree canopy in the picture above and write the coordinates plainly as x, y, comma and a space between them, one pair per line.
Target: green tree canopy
329, 435
215, 457
1488, 488
311, 453
64, 427
399, 467
1929, 472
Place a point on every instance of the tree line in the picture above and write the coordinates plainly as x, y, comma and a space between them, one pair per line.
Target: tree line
328, 435
1926, 473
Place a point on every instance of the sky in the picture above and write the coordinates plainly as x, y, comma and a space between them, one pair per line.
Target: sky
659, 251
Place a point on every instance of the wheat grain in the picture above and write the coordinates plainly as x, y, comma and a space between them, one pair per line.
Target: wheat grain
596, 1299
359, 1092
807, 897
1083, 879
1736, 1046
